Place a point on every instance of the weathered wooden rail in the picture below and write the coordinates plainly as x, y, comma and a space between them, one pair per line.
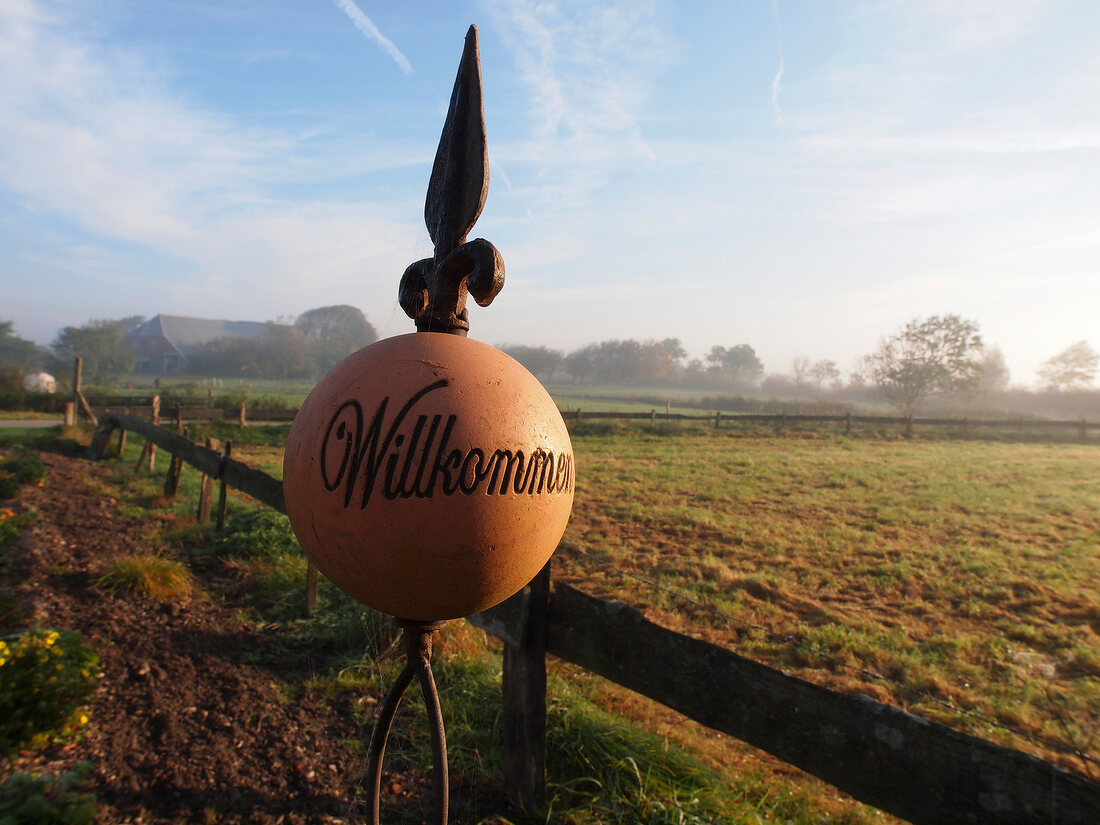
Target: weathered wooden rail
845, 421
918, 770
194, 410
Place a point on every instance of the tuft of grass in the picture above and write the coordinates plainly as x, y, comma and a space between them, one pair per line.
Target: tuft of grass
149, 576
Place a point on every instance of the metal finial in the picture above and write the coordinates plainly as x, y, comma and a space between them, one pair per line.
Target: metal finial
433, 290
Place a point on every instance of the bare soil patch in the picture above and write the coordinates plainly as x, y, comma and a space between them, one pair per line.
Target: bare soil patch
198, 717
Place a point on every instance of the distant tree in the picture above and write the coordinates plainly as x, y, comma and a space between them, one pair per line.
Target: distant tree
738, 364
940, 354
539, 360
800, 369
99, 344
825, 372
287, 353
995, 374
581, 362
1073, 368
663, 360
132, 322
18, 352
335, 332
284, 352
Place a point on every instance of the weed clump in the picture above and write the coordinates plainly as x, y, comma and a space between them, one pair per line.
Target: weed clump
45, 677
12, 524
42, 800
24, 468
149, 576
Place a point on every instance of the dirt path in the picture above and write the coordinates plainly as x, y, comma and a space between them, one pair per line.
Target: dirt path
181, 730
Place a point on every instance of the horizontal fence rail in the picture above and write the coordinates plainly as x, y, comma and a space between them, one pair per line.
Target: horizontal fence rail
248, 480
194, 409
919, 770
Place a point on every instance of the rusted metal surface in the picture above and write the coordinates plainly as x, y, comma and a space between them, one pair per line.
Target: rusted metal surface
433, 290
418, 665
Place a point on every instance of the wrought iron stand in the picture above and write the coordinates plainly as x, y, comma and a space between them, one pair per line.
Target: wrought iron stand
418, 654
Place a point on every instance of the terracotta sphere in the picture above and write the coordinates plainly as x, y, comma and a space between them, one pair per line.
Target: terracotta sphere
429, 476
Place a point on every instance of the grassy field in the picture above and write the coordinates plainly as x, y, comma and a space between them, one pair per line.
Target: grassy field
959, 579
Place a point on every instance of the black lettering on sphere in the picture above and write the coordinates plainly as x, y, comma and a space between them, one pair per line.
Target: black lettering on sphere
423, 462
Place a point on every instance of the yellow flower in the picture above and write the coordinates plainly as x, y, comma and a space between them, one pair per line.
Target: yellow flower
83, 719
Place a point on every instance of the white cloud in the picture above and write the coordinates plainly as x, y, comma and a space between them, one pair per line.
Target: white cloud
589, 70
367, 27
97, 137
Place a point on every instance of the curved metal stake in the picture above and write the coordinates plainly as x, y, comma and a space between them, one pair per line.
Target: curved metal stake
418, 654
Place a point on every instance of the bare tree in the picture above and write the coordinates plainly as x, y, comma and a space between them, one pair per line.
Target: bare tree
825, 372
941, 354
1072, 368
800, 369
995, 373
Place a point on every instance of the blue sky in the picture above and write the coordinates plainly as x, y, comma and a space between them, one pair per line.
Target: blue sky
803, 177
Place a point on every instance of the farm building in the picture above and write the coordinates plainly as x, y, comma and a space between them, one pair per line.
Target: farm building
163, 344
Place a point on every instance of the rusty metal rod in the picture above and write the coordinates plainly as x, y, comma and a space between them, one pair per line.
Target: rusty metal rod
418, 654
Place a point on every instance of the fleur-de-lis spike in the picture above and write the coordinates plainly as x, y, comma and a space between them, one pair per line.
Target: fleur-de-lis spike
433, 290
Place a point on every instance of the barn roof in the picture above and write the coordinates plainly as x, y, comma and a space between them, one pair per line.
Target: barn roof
187, 334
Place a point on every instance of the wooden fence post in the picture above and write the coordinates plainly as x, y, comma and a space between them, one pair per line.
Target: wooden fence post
78, 369
240, 419
578, 416
848, 423
175, 467
908, 425
70, 414
523, 684
121, 441
206, 490
222, 493
717, 419
311, 588
652, 420
152, 448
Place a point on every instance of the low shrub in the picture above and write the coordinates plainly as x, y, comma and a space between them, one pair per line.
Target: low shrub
150, 576
47, 800
45, 677
12, 523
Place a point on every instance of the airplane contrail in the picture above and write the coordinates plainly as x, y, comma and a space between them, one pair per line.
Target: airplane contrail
367, 27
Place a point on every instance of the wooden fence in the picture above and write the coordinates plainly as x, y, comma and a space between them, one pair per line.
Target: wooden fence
844, 421
199, 409
916, 769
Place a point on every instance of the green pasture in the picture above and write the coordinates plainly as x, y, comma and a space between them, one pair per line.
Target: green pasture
959, 579
967, 573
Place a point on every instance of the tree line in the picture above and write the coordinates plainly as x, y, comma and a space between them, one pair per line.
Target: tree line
307, 348
942, 355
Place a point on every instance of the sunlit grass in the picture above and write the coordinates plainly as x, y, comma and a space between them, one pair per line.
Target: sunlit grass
147, 575
868, 551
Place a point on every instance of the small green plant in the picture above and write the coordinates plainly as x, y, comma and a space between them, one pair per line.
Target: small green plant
149, 575
24, 468
12, 524
45, 677
258, 533
47, 800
